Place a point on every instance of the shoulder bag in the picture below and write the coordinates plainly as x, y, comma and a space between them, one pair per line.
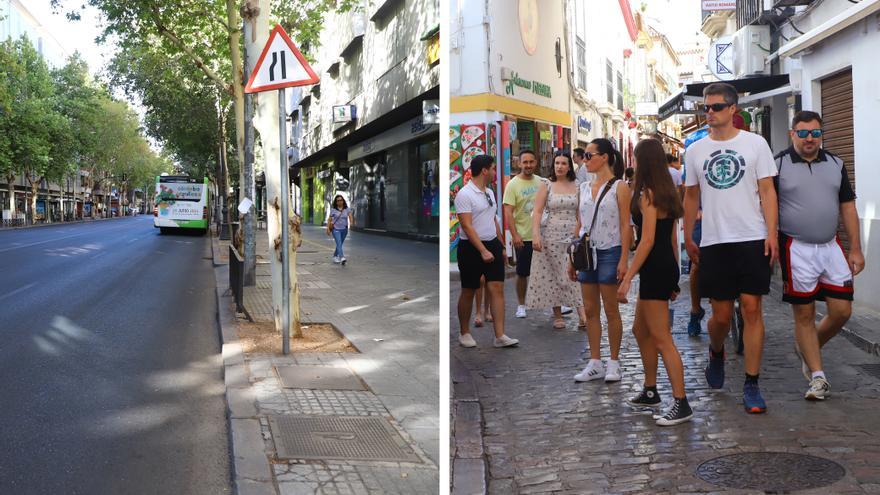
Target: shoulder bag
579, 253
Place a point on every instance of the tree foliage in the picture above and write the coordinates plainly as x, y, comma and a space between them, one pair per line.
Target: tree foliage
55, 123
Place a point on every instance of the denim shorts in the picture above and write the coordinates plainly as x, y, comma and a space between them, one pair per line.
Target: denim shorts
606, 268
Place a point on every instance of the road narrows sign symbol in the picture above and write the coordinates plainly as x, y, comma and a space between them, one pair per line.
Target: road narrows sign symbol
285, 68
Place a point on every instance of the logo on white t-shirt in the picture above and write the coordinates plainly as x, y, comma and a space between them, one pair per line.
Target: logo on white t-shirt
724, 169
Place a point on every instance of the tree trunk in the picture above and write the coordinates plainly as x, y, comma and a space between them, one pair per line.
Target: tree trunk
35, 187
10, 184
266, 123
248, 185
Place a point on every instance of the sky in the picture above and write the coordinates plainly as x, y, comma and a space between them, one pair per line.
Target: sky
680, 19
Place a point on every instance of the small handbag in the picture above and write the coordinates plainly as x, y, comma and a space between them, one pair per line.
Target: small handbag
579, 253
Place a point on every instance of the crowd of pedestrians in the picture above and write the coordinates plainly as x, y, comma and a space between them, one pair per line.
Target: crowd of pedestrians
742, 210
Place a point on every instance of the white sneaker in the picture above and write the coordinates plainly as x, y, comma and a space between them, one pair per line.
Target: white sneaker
520, 311
612, 372
336, 259
505, 341
565, 310
342, 259
819, 389
595, 370
467, 340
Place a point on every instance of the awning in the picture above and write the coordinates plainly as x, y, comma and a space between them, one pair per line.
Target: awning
756, 87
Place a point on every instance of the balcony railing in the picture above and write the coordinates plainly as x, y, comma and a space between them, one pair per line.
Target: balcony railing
755, 11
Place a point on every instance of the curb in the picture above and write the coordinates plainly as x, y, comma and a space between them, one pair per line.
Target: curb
469, 474
251, 470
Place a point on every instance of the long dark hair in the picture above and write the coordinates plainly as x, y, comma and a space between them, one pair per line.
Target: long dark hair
615, 159
652, 175
344, 202
570, 175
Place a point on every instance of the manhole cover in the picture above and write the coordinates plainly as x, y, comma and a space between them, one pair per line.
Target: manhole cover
319, 378
364, 438
871, 369
771, 471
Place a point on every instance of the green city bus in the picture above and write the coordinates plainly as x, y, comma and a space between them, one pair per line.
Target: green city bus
181, 204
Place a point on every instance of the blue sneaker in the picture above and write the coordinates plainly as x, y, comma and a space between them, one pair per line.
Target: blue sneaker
694, 326
715, 369
752, 400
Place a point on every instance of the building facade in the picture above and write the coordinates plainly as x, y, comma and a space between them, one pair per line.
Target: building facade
368, 130
508, 89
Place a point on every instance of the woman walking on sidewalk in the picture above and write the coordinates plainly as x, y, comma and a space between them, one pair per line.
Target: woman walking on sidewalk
655, 207
549, 285
337, 226
603, 212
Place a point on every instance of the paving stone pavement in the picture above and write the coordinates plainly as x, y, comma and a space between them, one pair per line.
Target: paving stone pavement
385, 301
544, 433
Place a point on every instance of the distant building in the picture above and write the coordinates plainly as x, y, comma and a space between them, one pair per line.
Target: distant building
17, 21
364, 132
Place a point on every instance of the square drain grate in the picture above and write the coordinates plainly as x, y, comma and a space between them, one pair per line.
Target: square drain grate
319, 378
362, 438
871, 369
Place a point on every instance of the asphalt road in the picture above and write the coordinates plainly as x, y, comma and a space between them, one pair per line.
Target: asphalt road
110, 368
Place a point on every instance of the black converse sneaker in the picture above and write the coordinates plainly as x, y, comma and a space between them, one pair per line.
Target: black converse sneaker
647, 398
678, 413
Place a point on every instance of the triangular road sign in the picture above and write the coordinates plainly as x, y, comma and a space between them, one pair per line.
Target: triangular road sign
281, 65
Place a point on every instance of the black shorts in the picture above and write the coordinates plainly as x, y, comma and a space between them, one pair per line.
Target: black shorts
524, 259
471, 265
730, 269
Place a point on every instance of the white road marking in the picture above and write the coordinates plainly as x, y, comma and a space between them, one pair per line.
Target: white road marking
16, 291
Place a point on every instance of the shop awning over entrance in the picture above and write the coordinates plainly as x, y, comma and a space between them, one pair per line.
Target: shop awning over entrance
678, 103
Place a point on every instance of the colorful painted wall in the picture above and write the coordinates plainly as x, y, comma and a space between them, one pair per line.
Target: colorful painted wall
465, 142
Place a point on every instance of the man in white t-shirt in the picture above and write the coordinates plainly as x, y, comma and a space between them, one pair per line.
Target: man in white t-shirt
730, 174
480, 250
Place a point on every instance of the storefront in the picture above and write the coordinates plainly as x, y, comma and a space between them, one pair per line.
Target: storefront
393, 180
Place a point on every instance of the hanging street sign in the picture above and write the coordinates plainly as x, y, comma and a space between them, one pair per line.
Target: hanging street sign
281, 65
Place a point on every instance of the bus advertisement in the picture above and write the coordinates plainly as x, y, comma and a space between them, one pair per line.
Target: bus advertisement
181, 204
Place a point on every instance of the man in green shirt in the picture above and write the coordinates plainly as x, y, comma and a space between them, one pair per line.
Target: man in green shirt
519, 200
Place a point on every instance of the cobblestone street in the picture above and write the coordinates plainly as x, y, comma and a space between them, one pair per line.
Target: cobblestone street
544, 433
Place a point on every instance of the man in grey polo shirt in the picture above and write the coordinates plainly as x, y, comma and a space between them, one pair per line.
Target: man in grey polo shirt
813, 190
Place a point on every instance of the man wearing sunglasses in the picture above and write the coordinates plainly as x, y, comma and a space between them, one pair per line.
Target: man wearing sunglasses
730, 173
814, 191
480, 251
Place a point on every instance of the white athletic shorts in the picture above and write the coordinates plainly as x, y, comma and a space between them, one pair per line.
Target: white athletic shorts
814, 271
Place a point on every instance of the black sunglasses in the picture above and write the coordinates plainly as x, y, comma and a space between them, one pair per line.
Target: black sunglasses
589, 156
489, 198
716, 107
803, 133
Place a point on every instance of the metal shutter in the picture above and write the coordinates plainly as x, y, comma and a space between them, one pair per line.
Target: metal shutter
837, 116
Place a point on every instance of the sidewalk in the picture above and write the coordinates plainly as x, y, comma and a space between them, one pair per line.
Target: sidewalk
523, 425
385, 301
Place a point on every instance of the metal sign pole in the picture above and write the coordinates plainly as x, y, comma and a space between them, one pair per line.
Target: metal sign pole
285, 241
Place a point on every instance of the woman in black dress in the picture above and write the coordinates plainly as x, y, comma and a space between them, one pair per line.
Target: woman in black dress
655, 207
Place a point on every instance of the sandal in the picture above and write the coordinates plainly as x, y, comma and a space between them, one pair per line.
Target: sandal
558, 323
489, 318
582, 324
478, 322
